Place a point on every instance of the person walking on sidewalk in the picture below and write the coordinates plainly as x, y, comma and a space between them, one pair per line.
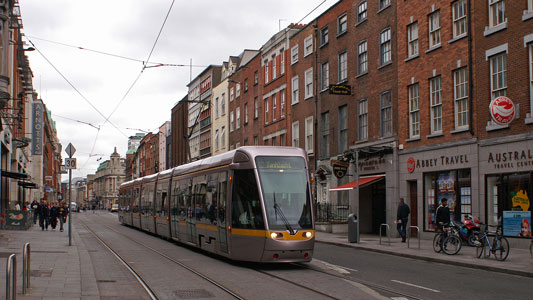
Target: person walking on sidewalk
442, 215
401, 219
54, 213
63, 212
44, 214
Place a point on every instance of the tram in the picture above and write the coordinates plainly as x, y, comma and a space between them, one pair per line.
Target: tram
249, 204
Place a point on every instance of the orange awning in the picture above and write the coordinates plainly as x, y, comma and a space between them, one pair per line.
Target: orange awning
363, 181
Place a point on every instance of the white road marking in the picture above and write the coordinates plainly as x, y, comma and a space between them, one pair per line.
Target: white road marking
367, 290
342, 270
399, 298
416, 286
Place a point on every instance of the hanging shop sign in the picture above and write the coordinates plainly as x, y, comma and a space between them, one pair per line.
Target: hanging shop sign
502, 110
340, 89
339, 167
37, 129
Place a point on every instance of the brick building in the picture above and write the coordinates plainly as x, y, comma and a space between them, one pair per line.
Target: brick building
179, 125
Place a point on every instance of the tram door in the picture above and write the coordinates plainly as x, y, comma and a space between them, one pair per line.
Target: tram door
194, 209
174, 208
222, 204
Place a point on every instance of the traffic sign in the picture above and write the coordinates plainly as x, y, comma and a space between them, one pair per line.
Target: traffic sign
70, 163
70, 150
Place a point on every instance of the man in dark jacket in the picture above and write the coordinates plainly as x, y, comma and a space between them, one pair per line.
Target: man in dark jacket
401, 218
44, 214
442, 215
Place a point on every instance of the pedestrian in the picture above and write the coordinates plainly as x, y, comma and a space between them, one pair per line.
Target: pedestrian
402, 217
44, 214
34, 206
17, 206
54, 213
442, 215
63, 212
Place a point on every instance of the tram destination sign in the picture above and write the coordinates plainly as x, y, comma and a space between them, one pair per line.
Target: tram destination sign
340, 89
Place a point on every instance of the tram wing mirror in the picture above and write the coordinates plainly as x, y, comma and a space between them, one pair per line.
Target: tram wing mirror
234, 166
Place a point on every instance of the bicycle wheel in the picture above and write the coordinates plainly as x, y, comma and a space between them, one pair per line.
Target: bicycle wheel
501, 248
437, 242
482, 248
451, 245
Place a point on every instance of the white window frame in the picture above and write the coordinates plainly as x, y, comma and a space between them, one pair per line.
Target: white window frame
309, 135
282, 61
266, 110
223, 104
498, 72
238, 90
530, 5
237, 118
412, 39
231, 94
362, 119
414, 110
495, 18
274, 107
294, 90
384, 4
324, 36
343, 67
459, 18
308, 83
308, 46
362, 57
361, 11
460, 96
343, 130
342, 23
386, 120
282, 103
231, 120
216, 107
325, 135
266, 70
324, 76
434, 29
274, 66
245, 113
223, 137
256, 107
216, 140
435, 102
385, 46
294, 54
296, 134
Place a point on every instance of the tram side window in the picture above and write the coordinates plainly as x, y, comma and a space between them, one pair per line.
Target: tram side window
174, 207
161, 203
211, 198
246, 206
200, 187
135, 200
222, 196
148, 200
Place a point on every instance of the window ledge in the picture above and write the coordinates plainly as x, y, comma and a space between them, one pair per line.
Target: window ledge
383, 8
308, 97
434, 135
490, 30
293, 62
457, 38
385, 65
343, 81
342, 33
306, 55
324, 90
413, 139
493, 126
460, 130
411, 57
294, 103
433, 48
527, 15
324, 45
361, 22
362, 74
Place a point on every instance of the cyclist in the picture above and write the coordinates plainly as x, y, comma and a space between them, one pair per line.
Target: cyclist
442, 215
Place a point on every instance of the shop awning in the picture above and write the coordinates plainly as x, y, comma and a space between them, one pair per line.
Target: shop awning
363, 181
14, 175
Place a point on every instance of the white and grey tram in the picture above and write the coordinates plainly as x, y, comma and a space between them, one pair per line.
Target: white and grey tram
249, 204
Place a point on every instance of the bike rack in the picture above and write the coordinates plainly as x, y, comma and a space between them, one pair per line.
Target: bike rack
417, 234
388, 230
11, 278
26, 255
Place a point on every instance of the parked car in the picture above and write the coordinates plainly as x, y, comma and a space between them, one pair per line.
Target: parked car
114, 208
74, 206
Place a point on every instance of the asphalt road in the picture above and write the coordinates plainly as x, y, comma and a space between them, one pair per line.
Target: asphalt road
426, 280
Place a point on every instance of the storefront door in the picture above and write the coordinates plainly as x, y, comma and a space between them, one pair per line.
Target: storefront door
413, 205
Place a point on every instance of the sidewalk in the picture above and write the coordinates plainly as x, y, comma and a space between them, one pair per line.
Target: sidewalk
519, 261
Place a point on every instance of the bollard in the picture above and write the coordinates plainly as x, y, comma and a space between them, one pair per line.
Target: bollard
388, 230
417, 234
11, 278
26, 257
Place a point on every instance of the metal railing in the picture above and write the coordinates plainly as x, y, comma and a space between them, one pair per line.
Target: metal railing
11, 278
388, 232
328, 212
417, 234
26, 257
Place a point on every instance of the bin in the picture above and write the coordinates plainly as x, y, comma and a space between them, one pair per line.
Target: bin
353, 229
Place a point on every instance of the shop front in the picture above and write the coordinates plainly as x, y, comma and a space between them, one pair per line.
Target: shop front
506, 171
428, 177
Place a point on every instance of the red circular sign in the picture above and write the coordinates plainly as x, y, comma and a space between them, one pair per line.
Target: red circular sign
411, 165
502, 110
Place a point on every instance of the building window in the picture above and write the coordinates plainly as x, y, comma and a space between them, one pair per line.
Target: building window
294, 85
435, 104
414, 112
256, 78
238, 118
496, 12
459, 18
266, 111
498, 78
324, 129
282, 103
231, 120
309, 83
324, 76
460, 95
266, 71
282, 61
529, 5
231, 95
223, 137
343, 128
362, 58
256, 140
223, 104
386, 113
385, 49
246, 85
308, 45
216, 140
274, 107
296, 134
361, 11
245, 113
324, 36
274, 66
412, 39
309, 135
294, 54
343, 67
362, 119
342, 24
434, 29
274, 140
238, 91
384, 4
256, 108
216, 108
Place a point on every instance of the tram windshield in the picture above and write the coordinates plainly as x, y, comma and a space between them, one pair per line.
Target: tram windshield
285, 192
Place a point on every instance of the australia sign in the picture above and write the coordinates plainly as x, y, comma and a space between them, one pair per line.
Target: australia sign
502, 110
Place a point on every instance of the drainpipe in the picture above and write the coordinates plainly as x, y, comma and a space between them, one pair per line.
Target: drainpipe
315, 123
470, 69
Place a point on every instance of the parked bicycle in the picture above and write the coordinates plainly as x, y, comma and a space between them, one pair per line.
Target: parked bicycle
447, 241
497, 245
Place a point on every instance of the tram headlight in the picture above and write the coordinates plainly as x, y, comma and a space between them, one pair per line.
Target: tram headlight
307, 234
276, 235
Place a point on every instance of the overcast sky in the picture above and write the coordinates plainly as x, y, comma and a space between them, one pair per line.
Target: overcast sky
206, 31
